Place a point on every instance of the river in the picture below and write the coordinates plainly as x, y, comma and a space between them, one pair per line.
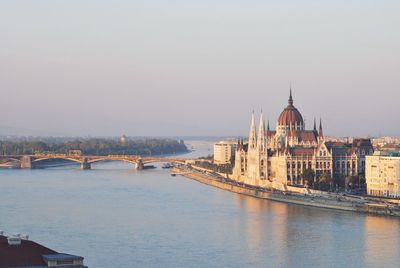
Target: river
115, 216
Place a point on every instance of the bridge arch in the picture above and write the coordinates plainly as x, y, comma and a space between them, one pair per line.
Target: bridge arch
36, 160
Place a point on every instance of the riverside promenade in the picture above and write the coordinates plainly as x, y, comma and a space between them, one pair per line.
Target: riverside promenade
328, 201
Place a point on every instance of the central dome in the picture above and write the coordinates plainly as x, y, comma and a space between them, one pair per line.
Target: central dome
290, 115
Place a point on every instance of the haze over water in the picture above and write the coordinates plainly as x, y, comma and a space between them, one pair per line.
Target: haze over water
115, 216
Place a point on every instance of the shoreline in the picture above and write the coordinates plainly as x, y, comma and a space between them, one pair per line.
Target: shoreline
341, 203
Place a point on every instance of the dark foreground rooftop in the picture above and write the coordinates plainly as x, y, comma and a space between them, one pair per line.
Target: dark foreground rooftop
33, 255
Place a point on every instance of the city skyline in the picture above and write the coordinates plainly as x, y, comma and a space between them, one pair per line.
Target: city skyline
150, 68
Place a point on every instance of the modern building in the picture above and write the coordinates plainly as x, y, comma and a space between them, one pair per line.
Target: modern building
285, 154
383, 174
224, 151
18, 251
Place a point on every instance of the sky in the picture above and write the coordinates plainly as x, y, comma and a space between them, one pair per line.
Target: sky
183, 67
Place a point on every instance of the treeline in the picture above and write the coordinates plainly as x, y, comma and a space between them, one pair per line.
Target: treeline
96, 146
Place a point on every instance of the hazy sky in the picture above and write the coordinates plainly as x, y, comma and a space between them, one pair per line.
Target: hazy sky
181, 67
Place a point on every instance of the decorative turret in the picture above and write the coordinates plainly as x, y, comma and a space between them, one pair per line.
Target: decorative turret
252, 135
290, 98
261, 140
320, 132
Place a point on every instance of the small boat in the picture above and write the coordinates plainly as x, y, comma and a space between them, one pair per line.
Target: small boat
167, 166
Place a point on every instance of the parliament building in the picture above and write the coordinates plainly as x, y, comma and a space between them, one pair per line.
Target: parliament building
282, 156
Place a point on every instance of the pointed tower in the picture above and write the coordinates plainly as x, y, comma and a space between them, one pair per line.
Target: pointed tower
320, 132
315, 125
252, 134
261, 139
290, 102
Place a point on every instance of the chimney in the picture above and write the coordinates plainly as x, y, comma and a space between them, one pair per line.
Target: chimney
14, 240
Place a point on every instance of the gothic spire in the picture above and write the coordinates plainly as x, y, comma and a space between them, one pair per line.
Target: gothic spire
290, 97
315, 124
261, 141
252, 134
320, 132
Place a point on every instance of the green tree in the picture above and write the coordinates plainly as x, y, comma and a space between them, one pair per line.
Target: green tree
325, 181
308, 176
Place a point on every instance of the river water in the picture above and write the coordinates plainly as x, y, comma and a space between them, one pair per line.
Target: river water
115, 216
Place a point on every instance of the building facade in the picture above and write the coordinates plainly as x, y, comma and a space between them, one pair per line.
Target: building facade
223, 152
251, 159
383, 174
284, 155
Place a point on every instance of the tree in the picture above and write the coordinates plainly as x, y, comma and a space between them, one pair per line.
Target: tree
308, 176
325, 181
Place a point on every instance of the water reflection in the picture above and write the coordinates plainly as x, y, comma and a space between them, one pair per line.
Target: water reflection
332, 238
382, 241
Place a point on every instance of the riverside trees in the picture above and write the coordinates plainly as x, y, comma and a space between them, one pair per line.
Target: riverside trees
95, 146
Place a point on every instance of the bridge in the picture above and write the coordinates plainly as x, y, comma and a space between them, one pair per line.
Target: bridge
85, 161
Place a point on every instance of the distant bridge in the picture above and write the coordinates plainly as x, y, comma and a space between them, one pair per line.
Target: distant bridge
30, 161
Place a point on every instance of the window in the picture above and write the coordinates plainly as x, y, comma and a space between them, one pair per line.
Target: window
65, 262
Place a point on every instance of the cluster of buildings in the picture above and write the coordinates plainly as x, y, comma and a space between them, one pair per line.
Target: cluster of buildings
283, 156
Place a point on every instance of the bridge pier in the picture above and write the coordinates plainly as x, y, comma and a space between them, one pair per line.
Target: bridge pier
26, 162
139, 164
85, 165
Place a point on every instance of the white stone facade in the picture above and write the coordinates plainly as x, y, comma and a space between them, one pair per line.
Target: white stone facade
383, 175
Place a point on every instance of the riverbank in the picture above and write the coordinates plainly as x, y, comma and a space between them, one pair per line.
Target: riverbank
333, 201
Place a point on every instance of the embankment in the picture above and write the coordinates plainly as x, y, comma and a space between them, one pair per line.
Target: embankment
339, 203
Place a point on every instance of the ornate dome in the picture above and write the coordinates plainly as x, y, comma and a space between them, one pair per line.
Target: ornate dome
290, 115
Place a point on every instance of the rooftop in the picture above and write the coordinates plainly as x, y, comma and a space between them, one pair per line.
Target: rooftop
31, 254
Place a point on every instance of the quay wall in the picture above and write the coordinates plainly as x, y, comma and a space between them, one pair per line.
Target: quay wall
305, 200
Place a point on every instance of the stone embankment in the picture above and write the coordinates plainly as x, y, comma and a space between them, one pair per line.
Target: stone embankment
333, 201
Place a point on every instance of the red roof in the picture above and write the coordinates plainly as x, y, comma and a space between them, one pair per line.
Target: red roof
308, 135
299, 151
28, 253
290, 115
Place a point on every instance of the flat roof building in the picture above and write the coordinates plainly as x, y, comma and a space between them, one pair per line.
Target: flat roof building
382, 174
224, 151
